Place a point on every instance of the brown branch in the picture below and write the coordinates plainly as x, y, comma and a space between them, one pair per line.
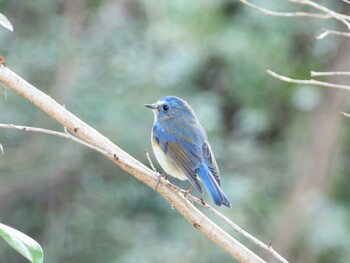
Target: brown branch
308, 82
285, 14
235, 227
92, 137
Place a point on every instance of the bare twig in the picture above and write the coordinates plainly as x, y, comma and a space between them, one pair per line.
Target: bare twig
129, 164
339, 73
5, 94
150, 161
345, 114
64, 135
327, 32
341, 17
1, 149
238, 229
308, 82
285, 14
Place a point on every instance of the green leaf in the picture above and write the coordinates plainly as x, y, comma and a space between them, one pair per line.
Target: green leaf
24, 244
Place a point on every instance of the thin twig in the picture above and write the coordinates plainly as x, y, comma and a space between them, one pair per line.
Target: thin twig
50, 132
285, 14
150, 161
327, 32
238, 229
1, 149
308, 82
341, 17
339, 73
4, 91
345, 114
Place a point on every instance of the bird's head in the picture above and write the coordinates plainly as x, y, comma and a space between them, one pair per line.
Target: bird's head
171, 107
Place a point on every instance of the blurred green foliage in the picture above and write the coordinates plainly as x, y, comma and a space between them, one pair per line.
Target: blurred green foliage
104, 60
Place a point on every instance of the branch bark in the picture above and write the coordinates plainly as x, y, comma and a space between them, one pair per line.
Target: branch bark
91, 136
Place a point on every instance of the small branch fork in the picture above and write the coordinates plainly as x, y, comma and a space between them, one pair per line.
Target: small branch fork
325, 13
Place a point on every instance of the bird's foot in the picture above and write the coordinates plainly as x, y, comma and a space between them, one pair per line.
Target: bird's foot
160, 176
187, 193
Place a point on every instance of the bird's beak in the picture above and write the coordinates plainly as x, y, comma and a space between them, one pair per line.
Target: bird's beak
151, 106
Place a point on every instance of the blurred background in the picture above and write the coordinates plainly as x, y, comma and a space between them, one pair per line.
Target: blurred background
283, 149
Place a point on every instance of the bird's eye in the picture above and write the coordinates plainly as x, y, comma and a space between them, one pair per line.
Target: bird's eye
165, 107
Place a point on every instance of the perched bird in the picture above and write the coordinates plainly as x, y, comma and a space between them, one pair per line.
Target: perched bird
181, 147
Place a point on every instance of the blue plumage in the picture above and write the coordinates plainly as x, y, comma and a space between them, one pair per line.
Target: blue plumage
181, 147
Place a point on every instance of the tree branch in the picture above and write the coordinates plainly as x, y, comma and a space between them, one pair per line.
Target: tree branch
64, 135
327, 32
329, 14
329, 73
341, 17
234, 226
285, 14
307, 82
345, 114
238, 229
92, 137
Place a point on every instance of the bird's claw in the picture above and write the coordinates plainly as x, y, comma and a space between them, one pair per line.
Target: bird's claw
160, 176
187, 193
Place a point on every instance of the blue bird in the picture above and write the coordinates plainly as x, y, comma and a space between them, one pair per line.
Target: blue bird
181, 147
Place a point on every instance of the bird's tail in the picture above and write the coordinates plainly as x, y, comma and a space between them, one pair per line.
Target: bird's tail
217, 195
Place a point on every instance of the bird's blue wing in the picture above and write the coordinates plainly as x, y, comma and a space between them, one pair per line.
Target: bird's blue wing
184, 154
185, 157
210, 176
211, 162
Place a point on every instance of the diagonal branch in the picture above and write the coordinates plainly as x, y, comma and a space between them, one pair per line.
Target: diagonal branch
239, 230
90, 136
234, 226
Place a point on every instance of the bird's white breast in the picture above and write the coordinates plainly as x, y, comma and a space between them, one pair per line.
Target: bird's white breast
166, 163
